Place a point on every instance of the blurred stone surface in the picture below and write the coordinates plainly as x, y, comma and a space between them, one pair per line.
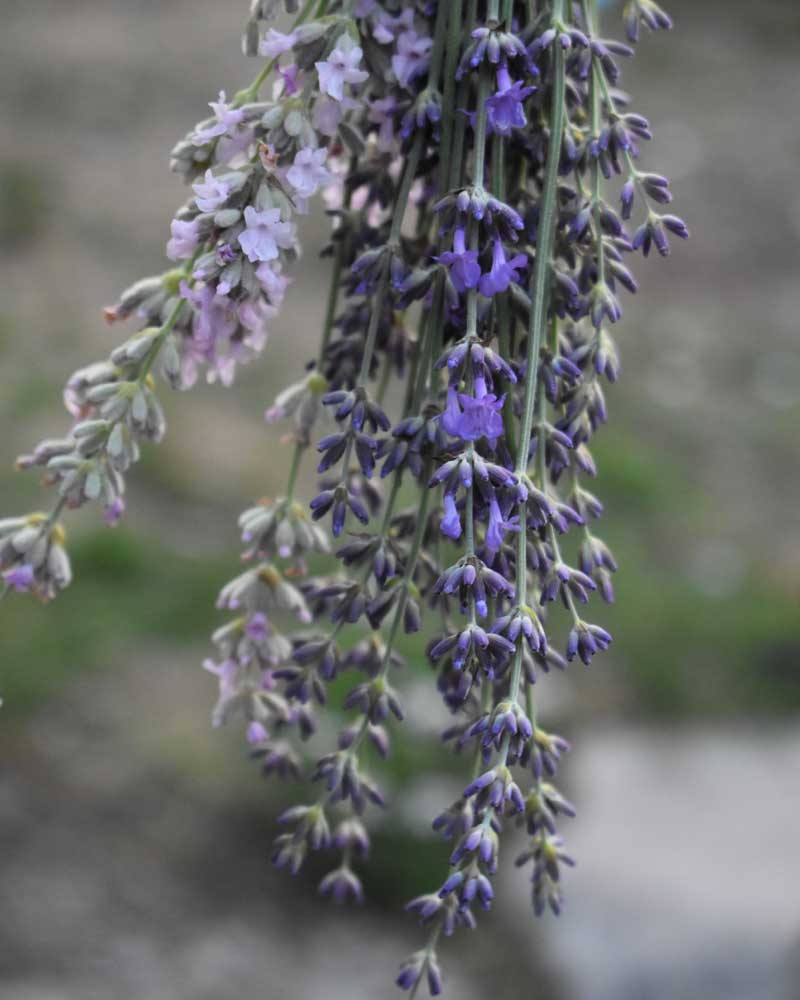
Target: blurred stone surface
686, 842
134, 864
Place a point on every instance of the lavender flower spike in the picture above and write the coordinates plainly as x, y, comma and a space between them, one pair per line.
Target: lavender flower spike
477, 267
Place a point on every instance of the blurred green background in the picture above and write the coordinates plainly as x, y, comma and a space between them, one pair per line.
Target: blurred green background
135, 840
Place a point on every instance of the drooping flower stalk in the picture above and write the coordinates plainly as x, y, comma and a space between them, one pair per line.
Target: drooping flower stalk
462, 149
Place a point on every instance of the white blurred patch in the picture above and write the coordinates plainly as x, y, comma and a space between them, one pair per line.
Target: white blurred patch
717, 568
776, 379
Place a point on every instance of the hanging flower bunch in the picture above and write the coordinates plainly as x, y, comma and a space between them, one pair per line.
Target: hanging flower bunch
482, 171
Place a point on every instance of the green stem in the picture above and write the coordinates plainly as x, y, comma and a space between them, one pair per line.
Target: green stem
457, 157
589, 14
435, 64
544, 244
430, 948
449, 89
411, 563
479, 154
409, 173
163, 333
538, 295
431, 346
469, 513
299, 448
333, 298
374, 321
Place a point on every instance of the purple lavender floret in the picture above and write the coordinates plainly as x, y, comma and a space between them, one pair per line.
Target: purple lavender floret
505, 107
471, 418
465, 271
503, 271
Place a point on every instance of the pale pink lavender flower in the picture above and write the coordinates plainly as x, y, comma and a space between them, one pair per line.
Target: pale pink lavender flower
265, 234
214, 315
257, 627
273, 283
225, 672
215, 320
387, 27
234, 149
381, 113
308, 172
227, 120
328, 115
20, 578
256, 733
211, 192
340, 68
411, 57
289, 80
114, 511
253, 315
184, 240
275, 43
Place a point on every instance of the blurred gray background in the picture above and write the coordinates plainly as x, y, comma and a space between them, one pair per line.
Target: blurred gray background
134, 842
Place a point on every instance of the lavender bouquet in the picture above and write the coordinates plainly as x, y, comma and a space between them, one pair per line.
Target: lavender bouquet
480, 167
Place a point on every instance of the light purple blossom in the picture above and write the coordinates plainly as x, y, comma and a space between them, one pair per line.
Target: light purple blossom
388, 27
253, 314
275, 43
290, 77
257, 627
264, 234
184, 240
113, 511
381, 113
228, 119
233, 148
256, 733
273, 283
308, 172
214, 323
328, 114
411, 57
211, 192
340, 68
226, 673
20, 578
214, 315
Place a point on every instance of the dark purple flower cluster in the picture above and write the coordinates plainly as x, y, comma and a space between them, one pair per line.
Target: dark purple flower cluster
463, 151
